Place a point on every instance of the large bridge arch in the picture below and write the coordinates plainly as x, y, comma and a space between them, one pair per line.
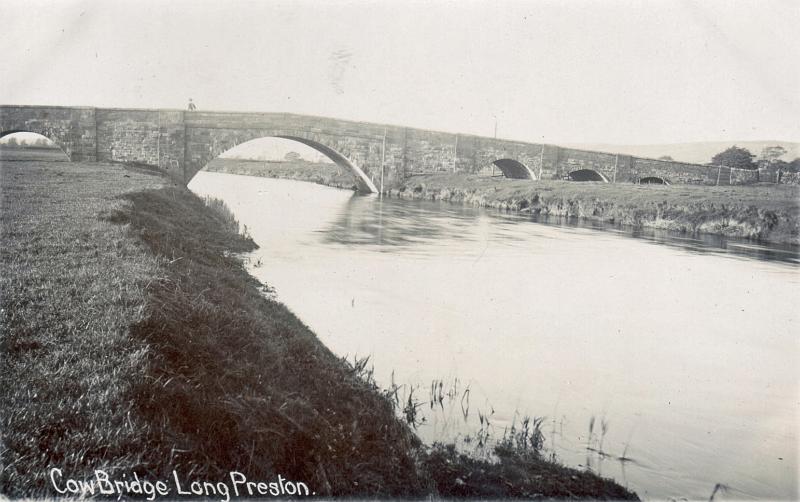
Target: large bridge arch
204, 144
514, 169
363, 182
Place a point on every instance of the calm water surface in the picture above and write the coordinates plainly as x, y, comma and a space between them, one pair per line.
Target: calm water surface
689, 350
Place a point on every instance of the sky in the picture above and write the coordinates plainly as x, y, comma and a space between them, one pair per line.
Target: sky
618, 71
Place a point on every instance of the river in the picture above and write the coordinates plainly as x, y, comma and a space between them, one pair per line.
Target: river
682, 352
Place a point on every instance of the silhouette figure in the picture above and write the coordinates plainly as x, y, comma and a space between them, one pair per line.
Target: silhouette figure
192, 107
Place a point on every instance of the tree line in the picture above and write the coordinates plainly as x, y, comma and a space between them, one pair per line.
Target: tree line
742, 158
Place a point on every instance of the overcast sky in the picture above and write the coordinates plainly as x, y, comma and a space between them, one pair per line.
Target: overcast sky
555, 71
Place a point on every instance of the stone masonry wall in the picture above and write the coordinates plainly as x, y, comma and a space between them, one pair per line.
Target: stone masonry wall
678, 172
72, 129
182, 142
790, 179
743, 176
571, 160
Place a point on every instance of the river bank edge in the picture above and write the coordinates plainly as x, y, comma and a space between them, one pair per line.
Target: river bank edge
719, 211
205, 371
766, 213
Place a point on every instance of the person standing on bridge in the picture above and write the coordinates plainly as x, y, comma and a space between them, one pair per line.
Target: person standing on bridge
192, 107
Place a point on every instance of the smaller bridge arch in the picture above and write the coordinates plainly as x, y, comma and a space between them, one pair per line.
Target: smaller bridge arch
587, 175
514, 169
52, 143
653, 180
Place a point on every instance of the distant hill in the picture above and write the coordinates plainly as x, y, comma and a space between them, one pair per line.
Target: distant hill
696, 153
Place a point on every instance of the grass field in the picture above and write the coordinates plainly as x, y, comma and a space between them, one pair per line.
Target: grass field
72, 285
133, 340
765, 212
11, 154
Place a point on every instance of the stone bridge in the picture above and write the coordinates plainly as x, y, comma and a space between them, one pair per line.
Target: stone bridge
182, 142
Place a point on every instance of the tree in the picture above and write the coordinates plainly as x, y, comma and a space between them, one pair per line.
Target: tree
770, 154
734, 156
12, 141
292, 157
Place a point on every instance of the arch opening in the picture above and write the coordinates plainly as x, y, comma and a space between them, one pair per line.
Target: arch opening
587, 175
653, 180
27, 145
295, 157
514, 169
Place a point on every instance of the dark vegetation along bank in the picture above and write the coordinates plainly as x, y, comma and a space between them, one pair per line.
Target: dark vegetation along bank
766, 212
133, 340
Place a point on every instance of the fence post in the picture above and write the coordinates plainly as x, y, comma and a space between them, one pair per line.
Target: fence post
541, 161
455, 154
383, 157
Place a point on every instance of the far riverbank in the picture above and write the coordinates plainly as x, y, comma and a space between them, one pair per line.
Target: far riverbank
764, 212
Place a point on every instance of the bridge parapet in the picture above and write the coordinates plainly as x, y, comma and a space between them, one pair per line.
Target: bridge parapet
183, 142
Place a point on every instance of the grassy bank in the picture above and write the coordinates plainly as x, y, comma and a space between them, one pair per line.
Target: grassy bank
72, 285
133, 340
769, 213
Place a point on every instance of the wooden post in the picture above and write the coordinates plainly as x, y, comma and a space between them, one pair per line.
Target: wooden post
616, 162
455, 154
96, 139
383, 157
719, 171
158, 142
185, 147
541, 161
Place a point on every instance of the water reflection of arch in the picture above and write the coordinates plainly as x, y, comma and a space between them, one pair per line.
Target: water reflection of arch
362, 181
587, 175
514, 169
391, 222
